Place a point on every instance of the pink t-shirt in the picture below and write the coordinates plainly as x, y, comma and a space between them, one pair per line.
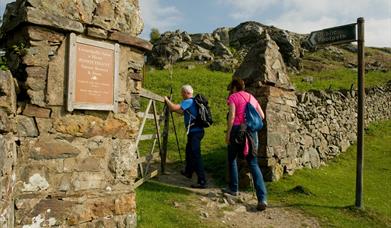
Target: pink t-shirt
240, 100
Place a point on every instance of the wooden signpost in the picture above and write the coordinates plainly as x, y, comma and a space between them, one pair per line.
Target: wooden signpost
93, 74
347, 34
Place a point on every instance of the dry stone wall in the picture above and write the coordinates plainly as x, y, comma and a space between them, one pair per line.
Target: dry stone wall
61, 168
328, 121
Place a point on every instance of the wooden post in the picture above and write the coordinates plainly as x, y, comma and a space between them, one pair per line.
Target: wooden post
360, 111
159, 141
165, 138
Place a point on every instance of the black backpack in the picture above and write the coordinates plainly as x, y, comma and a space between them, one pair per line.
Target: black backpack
204, 116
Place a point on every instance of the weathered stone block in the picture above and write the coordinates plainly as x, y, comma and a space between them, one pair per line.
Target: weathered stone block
280, 151
97, 32
26, 126
7, 92
123, 107
273, 173
122, 163
99, 152
136, 76
88, 181
56, 78
7, 156
7, 218
122, 126
46, 18
35, 111
6, 122
274, 139
43, 212
41, 33
50, 148
37, 72
36, 83
37, 97
65, 182
314, 158
125, 204
37, 56
45, 125
90, 164
35, 183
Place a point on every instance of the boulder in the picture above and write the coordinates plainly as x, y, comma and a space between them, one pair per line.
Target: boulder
245, 34
224, 65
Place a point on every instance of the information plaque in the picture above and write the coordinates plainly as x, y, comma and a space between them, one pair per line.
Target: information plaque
93, 74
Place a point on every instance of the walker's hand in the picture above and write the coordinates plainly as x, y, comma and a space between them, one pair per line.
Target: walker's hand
166, 99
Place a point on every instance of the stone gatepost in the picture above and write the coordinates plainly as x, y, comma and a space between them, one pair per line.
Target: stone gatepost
265, 75
67, 130
7, 148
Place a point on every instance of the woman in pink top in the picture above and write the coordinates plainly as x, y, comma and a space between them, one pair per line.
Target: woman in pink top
237, 102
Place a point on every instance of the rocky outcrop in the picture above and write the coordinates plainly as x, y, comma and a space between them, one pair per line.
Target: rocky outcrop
224, 46
62, 168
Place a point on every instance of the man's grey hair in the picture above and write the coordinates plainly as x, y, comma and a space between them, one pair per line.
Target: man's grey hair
187, 89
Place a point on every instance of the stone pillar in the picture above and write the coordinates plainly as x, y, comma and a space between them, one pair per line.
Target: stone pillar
72, 168
278, 148
265, 75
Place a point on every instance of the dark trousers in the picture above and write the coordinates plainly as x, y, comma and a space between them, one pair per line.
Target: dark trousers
193, 156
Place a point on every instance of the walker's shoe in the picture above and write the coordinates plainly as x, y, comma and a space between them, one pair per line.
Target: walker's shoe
185, 174
228, 191
261, 206
201, 186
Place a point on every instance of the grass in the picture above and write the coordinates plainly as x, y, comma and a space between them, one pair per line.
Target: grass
329, 72
340, 78
330, 189
160, 205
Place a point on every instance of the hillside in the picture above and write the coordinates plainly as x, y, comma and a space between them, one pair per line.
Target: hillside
225, 48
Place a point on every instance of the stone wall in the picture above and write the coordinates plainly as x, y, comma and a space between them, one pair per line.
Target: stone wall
308, 129
61, 168
327, 122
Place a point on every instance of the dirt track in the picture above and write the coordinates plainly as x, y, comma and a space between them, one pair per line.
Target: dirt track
237, 211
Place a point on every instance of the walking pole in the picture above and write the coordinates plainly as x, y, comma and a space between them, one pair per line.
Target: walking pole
170, 69
176, 137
